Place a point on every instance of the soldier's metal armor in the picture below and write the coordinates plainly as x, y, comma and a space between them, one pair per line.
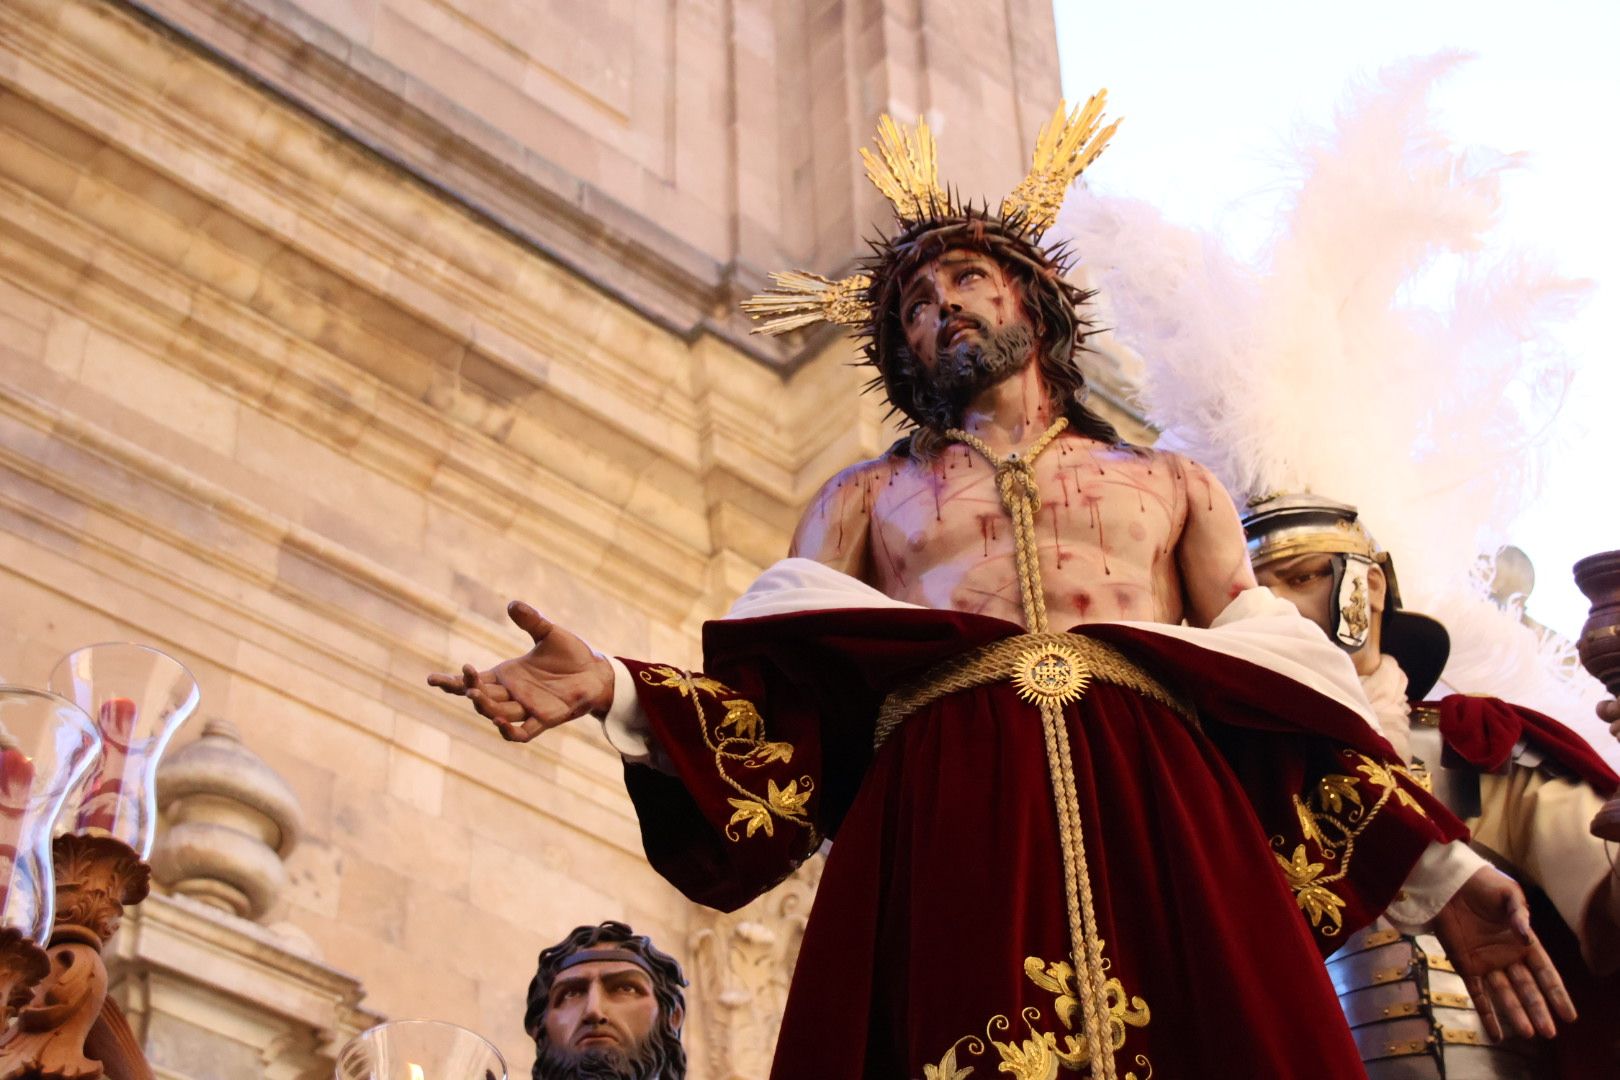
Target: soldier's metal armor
1408, 1009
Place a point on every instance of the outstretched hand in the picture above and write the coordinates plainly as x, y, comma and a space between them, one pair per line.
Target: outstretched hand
559, 679
1485, 928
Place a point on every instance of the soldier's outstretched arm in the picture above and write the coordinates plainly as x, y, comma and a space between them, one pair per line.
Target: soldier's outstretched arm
559, 679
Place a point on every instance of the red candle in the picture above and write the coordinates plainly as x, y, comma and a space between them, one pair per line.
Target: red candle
16, 783
99, 809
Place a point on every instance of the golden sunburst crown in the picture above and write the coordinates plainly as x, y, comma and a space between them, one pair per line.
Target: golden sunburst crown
798, 299
1066, 146
905, 169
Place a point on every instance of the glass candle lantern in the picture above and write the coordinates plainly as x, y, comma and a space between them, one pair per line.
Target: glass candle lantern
419, 1050
47, 746
138, 697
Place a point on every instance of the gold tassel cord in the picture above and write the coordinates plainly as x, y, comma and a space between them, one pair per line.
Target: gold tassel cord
1015, 482
800, 299
1067, 145
906, 170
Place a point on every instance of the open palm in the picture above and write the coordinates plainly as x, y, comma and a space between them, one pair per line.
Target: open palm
1486, 931
558, 679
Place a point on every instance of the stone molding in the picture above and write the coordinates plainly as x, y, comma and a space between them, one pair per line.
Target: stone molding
714, 426
179, 969
569, 220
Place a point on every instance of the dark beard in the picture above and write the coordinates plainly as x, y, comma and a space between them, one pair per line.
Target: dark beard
643, 1062
962, 371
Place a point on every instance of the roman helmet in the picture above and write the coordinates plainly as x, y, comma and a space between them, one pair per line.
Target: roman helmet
1283, 526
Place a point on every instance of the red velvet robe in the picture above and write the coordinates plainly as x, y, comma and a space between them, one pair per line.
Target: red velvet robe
939, 932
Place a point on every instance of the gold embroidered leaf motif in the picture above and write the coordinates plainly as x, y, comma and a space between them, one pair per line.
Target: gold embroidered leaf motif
1375, 772
1031, 1059
756, 814
1337, 789
743, 719
1318, 901
1308, 828
767, 752
1056, 978
788, 801
1124, 1009
1300, 871
1383, 777
947, 1068
684, 681
1074, 1054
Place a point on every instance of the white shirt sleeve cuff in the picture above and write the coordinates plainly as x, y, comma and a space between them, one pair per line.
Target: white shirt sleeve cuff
1439, 873
625, 724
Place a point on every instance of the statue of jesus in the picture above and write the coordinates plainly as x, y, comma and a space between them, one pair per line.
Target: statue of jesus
1117, 847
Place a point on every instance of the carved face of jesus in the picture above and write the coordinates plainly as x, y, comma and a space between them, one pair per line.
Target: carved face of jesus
602, 1011
966, 328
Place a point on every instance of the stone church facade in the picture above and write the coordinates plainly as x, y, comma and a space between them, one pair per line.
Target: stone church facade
327, 326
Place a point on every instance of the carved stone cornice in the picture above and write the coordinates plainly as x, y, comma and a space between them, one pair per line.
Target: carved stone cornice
186, 964
623, 252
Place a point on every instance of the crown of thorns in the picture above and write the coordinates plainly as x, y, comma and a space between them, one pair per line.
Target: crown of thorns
905, 169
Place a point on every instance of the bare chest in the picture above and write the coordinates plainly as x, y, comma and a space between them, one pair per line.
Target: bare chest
1104, 533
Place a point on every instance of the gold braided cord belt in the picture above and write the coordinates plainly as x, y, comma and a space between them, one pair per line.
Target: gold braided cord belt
1055, 668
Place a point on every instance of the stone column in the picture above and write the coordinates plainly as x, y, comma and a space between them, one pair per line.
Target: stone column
208, 990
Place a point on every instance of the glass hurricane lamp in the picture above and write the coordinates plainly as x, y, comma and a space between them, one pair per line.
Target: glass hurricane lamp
138, 697
419, 1050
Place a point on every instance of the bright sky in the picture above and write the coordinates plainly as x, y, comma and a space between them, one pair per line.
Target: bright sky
1213, 90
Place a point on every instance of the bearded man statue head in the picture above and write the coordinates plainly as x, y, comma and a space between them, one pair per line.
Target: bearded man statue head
607, 1004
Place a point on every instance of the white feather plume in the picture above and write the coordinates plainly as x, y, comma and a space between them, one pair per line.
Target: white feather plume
1383, 355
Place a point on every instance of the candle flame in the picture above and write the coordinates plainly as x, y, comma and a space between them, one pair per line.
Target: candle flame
416, 1071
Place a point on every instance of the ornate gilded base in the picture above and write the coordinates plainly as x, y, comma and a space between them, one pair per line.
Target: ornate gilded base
95, 877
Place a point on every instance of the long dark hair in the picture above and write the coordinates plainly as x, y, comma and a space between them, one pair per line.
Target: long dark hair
1051, 303
669, 1056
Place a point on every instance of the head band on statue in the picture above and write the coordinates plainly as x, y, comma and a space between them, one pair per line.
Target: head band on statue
932, 222
662, 1056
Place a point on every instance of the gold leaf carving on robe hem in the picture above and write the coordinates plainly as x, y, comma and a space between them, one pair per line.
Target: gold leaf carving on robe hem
1041, 1054
739, 735
1330, 820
